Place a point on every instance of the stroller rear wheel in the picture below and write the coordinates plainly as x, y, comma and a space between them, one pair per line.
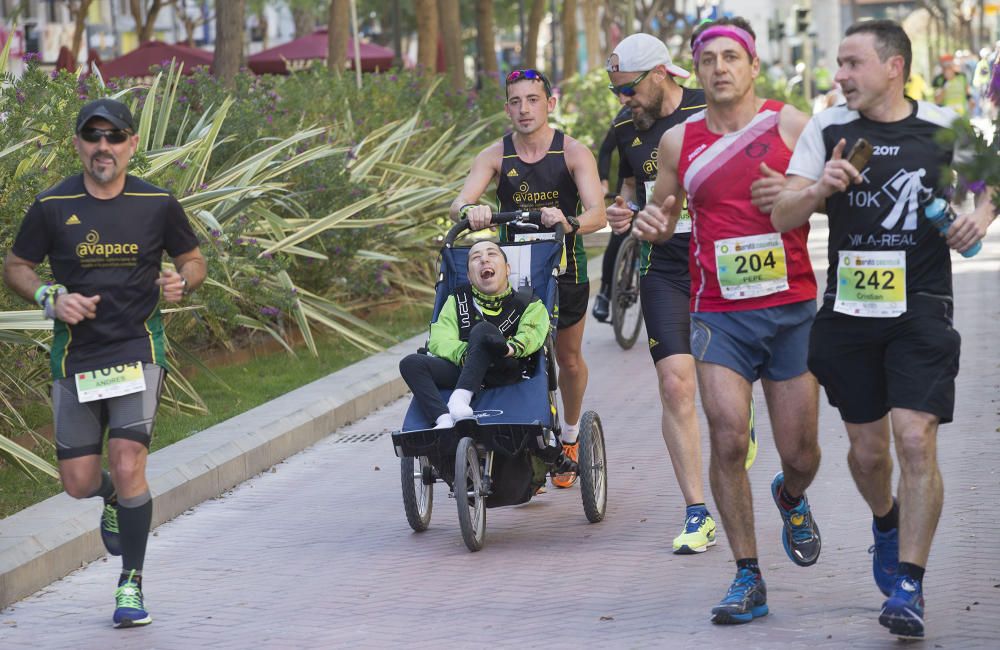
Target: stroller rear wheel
469, 495
418, 494
593, 467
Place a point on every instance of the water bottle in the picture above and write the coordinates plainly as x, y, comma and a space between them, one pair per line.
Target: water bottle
940, 214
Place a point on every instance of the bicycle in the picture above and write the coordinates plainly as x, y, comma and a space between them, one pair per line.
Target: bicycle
626, 307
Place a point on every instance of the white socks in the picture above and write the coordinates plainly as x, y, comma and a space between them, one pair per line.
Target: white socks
444, 421
570, 432
459, 404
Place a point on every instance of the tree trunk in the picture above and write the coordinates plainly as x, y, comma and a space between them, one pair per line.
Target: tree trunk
229, 19
592, 28
427, 34
484, 36
79, 26
338, 29
451, 35
569, 38
534, 28
304, 20
144, 24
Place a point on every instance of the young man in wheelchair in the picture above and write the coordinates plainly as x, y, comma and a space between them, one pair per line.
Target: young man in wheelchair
485, 335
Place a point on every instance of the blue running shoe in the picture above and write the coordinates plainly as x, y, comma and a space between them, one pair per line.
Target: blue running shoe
801, 534
745, 600
885, 558
903, 613
129, 609
109, 529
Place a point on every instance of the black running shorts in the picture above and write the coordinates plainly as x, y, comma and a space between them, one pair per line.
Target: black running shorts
79, 428
573, 299
870, 365
666, 305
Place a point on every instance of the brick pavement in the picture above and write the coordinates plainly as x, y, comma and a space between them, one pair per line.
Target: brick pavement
317, 553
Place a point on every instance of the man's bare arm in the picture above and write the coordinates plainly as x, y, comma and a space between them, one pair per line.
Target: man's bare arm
583, 166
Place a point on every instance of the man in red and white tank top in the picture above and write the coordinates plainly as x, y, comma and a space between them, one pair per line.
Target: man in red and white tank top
752, 295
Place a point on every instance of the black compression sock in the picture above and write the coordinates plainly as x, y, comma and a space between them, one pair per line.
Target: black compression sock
748, 563
134, 518
137, 578
888, 521
106, 490
909, 570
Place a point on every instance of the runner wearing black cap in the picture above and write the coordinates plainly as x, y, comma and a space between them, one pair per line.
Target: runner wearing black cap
104, 233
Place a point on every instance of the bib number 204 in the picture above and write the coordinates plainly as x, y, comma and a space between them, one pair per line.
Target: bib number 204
874, 279
753, 262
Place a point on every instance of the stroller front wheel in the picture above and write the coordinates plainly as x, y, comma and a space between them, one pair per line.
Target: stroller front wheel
593, 467
418, 494
468, 488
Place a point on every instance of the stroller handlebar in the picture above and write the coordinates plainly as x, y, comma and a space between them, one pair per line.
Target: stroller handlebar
524, 217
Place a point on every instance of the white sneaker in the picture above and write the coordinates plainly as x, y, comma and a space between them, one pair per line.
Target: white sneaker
444, 421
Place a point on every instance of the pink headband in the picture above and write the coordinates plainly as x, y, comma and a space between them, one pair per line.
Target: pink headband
741, 36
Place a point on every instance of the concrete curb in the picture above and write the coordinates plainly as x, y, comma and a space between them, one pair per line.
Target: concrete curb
47, 541
51, 539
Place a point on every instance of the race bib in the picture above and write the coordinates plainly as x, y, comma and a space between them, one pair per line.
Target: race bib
752, 266
110, 382
683, 223
871, 283
534, 236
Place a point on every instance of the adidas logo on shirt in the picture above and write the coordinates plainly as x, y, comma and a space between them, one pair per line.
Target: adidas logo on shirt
73, 221
512, 173
636, 142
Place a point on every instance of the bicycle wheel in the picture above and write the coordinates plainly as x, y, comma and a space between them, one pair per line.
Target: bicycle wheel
626, 311
418, 495
469, 494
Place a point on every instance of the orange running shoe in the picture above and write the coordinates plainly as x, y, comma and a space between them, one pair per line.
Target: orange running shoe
567, 479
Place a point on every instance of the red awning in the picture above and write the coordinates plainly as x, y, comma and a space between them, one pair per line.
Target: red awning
312, 47
137, 62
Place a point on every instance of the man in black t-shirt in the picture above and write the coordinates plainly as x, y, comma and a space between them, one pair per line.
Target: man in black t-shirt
883, 345
104, 233
642, 76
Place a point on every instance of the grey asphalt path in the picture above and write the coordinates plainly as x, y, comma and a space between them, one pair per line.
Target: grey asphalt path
317, 553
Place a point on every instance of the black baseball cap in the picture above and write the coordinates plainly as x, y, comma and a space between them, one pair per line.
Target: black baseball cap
109, 109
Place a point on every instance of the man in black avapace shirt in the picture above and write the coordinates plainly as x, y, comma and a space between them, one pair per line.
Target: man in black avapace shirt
104, 233
642, 75
883, 345
537, 167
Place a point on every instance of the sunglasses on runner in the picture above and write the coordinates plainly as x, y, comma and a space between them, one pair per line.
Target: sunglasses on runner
113, 136
628, 89
531, 75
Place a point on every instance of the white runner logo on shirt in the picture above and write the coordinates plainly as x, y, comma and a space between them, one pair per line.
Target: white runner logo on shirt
907, 190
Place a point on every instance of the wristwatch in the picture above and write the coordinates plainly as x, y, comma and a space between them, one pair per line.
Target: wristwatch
184, 290
574, 223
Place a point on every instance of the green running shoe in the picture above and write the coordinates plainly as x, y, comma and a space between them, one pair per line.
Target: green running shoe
129, 608
109, 529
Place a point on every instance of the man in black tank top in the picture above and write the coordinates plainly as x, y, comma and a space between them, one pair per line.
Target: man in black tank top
539, 168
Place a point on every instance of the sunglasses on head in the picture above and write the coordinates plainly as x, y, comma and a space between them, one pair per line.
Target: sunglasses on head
628, 89
113, 136
531, 75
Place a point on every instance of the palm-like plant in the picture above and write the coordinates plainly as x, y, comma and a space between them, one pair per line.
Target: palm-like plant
254, 223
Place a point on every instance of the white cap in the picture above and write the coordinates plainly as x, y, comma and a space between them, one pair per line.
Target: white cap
642, 52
